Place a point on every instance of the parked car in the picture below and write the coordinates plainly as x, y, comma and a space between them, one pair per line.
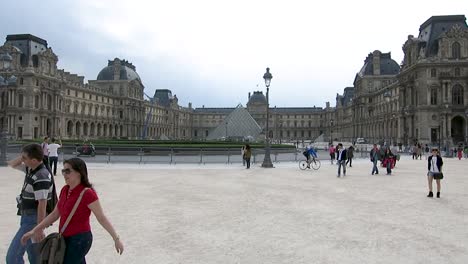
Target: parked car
360, 141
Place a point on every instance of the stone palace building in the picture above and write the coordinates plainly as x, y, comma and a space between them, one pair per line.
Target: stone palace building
425, 98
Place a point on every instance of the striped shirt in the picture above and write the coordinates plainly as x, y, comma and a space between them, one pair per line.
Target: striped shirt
37, 186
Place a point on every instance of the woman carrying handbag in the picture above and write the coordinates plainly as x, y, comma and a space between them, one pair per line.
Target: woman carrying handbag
77, 234
434, 166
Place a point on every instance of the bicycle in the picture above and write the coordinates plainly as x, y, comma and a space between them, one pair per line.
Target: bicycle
314, 163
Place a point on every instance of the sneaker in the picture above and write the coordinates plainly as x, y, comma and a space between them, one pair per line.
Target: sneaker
338, 176
430, 194
438, 194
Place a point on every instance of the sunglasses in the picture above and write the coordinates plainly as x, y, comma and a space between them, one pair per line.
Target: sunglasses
66, 171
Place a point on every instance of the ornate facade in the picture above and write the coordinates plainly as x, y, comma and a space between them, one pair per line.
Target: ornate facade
425, 98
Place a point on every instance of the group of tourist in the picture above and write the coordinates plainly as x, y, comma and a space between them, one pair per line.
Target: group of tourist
348, 157
38, 188
36, 195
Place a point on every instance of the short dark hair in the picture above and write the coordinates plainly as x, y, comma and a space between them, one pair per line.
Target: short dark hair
53, 140
339, 144
33, 151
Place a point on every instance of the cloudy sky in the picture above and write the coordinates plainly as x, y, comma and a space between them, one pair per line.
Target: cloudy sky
214, 52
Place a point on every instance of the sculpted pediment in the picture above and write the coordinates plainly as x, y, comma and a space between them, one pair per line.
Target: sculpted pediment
455, 32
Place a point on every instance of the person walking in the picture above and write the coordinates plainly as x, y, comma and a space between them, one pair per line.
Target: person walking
78, 236
466, 152
247, 154
332, 151
243, 155
350, 156
341, 159
53, 155
375, 157
45, 150
414, 151
419, 151
434, 167
460, 153
388, 160
32, 203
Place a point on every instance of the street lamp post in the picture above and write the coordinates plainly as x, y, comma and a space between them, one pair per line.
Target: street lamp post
267, 160
387, 96
5, 63
447, 151
331, 131
226, 131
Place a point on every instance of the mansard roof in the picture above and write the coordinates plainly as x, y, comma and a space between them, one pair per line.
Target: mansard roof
387, 65
431, 30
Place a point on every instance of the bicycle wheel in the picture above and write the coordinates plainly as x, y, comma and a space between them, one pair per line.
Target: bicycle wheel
315, 164
302, 164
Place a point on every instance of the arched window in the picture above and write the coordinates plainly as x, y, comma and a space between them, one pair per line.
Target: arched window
21, 81
457, 95
433, 73
456, 50
457, 72
433, 96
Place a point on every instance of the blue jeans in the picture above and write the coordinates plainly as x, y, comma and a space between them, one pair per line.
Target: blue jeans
53, 164
374, 168
77, 248
341, 163
16, 250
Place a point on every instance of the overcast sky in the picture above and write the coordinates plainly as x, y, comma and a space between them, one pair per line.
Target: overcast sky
214, 52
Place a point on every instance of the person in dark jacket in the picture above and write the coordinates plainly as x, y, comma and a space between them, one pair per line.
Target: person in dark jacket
350, 153
434, 165
388, 160
248, 155
374, 158
341, 159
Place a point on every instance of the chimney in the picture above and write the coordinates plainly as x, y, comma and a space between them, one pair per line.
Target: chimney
190, 105
327, 104
249, 97
116, 69
376, 62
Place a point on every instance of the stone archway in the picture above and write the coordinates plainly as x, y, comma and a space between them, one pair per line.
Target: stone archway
70, 129
458, 129
78, 129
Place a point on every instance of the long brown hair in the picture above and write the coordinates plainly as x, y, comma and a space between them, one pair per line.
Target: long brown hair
79, 165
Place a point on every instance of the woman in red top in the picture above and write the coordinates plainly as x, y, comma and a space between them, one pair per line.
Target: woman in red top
78, 236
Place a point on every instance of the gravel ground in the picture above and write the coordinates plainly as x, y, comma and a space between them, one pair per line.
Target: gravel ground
227, 214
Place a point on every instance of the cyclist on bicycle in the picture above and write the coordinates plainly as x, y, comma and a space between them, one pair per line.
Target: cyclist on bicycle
310, 152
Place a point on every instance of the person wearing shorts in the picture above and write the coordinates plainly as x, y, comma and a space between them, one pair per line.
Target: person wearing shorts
434, 165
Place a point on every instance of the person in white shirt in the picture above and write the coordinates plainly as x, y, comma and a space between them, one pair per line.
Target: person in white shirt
53, 155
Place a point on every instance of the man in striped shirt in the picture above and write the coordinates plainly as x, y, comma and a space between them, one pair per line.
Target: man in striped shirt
37, 189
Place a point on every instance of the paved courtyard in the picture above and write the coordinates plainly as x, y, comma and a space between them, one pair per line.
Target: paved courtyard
227, 214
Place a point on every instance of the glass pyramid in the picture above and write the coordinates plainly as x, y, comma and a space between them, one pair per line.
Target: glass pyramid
239, 124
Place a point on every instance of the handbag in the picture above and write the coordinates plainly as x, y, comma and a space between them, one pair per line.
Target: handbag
52, 248
437, 175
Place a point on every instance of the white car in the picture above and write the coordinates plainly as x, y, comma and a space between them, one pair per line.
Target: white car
360, 141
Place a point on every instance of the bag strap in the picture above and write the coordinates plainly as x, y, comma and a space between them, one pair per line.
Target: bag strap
73, 210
